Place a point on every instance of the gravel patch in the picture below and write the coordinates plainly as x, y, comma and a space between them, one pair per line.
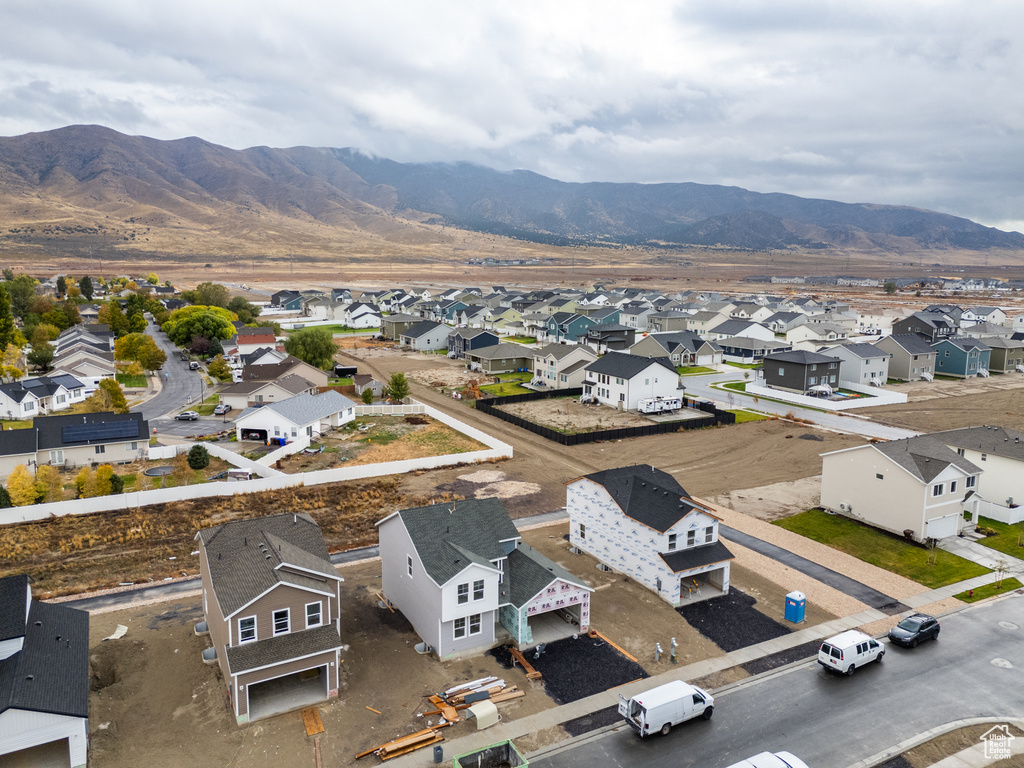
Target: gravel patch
575, 669
731, 622
593, 721
782, 658
891, 584
896, 762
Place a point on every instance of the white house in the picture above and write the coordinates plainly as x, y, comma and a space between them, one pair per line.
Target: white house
640, 522
910, 487
999, 493
302, 415
461, 575
560, 366
426, 335
620, 380
863, 364
44, 685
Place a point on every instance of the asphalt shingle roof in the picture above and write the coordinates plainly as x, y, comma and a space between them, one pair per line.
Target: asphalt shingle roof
999, 441
913, 343
240, 569
925, 457
13, 594
529, 573
449, 536
51, 671
14, 442
801, 357
864, 351
275, 650
51, 428
694, 557
557, 351
626, 366
646, 494
422, 328
305, 408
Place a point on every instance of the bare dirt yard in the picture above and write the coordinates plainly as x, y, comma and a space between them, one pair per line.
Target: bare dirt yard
154, 702
567, 414
938, 405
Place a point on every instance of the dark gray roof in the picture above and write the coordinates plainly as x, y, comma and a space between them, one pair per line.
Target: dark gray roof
963, 343
800, 357
503, 350
51, 671
449, 536
275, 650
745, 342
648, 495
999, 441
558, 351
13, 601
304, 408
530, 572
627, 366
240, 569
912, 343
53, 432
864, 351
422, 328
14, 442
673, 340
694, 557
734, 327
925, 456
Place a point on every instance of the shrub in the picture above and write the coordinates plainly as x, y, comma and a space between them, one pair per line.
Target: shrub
198, 457
5, 498
21, 487
367, 396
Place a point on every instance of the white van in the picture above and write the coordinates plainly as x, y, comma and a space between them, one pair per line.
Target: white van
657, 710
849, 650
771, 760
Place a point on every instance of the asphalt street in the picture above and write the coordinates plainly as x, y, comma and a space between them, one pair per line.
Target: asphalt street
700, 386
974, 670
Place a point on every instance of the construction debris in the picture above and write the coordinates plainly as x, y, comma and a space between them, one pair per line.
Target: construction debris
311, 719
403, 745
517, 656
595, 634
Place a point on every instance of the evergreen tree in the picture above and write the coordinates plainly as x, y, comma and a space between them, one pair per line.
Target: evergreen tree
198, 457
85, 286
7, 327
397, 387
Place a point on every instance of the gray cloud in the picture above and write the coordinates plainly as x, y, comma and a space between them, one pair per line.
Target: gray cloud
909, 103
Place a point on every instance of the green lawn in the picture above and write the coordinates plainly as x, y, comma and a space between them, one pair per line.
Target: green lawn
336, 329
521, 340
745, 416
687, 370
340, 382
736, 386
881, 549
989, 590
744, 365
126, 380
1006, 537
16, 423
510, 384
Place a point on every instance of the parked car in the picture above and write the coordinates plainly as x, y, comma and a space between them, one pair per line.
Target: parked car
660, 708
849, 650
913, 629
222, 409
194, 365
187, 416
771, 760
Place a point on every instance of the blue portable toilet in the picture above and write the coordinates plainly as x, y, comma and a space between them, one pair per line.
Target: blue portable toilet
796, 603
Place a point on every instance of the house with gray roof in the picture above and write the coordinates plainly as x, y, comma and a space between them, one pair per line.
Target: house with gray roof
621, 380
640, 522
303, 415
863, 364
1005, 355
271, 603
999, 492
802, 371
682, 347
460, 573
913, 487
561, 366
256, 394
425, 336
503, 357
44, 679
913, 358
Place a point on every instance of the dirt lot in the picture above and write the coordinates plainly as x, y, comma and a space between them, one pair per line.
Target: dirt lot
385, 438
152, 695
939, 405
566, 414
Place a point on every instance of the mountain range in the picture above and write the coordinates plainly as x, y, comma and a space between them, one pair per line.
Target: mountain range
86, 175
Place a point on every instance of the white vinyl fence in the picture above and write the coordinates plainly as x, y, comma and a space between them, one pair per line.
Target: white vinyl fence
270, 479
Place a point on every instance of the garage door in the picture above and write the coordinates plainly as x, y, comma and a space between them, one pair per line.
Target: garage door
941, 527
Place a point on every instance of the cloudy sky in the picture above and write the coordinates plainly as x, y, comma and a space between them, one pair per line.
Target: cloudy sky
898, 102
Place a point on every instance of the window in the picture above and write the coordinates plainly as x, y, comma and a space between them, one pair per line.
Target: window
408, 564
478, 590
57, 457
277, 431
937, 489
952, 486
782, 371
959, 451
971, 481
709, 533
583, 531
814, 367
812, 380
294, 432
100, 448
314, 617
879, 476
459, 629
984, 457
691, 538
281, 621
474, 624
671, 542
133, 446
247, 629
463, 590
259, 398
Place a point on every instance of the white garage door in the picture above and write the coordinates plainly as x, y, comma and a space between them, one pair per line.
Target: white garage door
941, 527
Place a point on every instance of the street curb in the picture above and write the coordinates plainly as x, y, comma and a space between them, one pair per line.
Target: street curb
930, 734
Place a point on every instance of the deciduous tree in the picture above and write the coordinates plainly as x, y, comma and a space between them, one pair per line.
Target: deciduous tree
21, 487
49, 487
312, 345
397, 387
209, 322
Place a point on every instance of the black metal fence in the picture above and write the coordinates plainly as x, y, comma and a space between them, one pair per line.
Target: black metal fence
492, 406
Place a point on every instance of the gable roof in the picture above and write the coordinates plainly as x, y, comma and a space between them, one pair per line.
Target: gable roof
305, 408
422, 328
450, 536
51, 671
801, 357
559, 351
248, 557
864, 351
647, 495
272, 370
529, 573
695, 557
13, 602
76, 429
627, 366
292, 383
503, 350
999, 441
924, 456
912, 343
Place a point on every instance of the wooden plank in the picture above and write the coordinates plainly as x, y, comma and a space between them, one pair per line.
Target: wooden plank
531, 673
507, 695
311, 719
316, 752
385, 601
631, 657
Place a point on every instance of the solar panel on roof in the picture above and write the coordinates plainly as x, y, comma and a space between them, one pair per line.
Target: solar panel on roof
111, 430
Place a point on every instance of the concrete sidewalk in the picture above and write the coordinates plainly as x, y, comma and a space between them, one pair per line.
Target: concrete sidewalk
969, 549
515, 729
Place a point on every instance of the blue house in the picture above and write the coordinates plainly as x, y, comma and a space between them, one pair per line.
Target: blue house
463, 340
568, 327
962, 357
